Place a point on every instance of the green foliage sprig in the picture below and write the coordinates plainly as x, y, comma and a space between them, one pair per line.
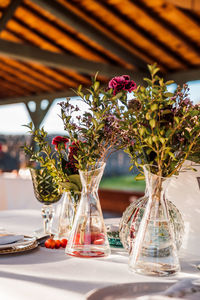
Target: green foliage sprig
53, 162
163, 128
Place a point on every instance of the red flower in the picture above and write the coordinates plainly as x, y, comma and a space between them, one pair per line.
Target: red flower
59, 140
120, 83
73, 151
70, 166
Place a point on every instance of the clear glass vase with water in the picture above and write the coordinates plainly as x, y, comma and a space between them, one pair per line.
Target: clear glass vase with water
88, 237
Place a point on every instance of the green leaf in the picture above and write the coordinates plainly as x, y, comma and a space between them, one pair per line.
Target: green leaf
169, 131
142, 131
148, 81
79, 88
96, 85
139, 177
150, 67
169, 82
155, 71
148, 116
75, 178
95, 77
150, 140
155, 138
166, 111
131, 167
176, 120
100, 126
80, 94
168, 95
194, 113
94, 122
152, 123
68, 186
162, 140
87, 97
118, 96
172, 155
154, 106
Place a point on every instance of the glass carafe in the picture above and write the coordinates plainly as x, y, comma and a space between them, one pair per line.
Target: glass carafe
67, 213
88, 237
145, 256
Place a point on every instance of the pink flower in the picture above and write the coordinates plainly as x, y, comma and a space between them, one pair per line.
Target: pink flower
59, 140
120, 83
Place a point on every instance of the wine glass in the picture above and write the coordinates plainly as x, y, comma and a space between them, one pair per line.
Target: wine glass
47, 192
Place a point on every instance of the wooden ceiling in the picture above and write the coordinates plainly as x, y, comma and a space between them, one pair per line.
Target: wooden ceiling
47, 47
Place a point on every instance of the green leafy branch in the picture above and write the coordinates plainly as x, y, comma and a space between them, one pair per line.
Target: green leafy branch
51, 161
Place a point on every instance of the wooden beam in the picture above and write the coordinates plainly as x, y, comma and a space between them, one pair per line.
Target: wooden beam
37, 98
188, 4
33, 9
192, 15
147, 55
9, 12
71, 19
180, 35
184, 76
146, 35
30, 53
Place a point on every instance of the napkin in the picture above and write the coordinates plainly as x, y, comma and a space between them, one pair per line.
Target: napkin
8, 238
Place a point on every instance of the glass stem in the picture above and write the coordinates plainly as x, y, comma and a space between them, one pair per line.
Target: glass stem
47, 214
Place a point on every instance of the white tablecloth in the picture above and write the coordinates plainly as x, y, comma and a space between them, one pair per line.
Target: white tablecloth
50, 274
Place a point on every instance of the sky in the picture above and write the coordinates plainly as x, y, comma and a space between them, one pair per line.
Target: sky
13, 116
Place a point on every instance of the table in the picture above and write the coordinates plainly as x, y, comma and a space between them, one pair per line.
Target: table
50, 274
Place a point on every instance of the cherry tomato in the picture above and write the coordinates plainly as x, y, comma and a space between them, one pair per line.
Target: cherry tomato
63, 243
49, 243
58, 244
53, 244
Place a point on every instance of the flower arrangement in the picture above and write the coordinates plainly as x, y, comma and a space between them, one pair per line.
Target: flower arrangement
162, 128
156, 127
97, 131
90, 138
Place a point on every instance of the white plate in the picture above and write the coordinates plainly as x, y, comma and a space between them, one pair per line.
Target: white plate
128, 290
25, 242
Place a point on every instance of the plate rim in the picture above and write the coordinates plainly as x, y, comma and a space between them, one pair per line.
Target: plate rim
19, 243
14, 250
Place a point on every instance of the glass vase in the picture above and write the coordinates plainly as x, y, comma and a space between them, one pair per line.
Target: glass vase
47, 192
154, 232
88, 237
131, 219
67, 213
